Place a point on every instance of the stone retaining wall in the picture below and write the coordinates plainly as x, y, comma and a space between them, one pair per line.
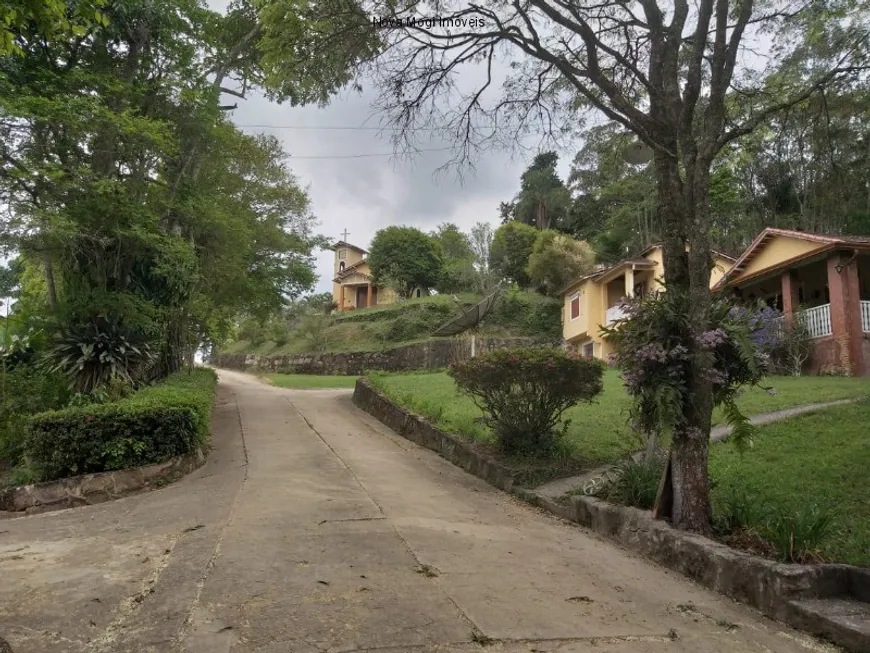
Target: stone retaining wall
95, 488
782, 591
432, 354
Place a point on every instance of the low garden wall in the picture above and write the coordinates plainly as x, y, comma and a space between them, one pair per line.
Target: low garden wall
783, 591
432, 354
96, 488
100, 451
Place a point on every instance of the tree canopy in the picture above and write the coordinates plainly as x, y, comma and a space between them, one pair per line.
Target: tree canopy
458, 272
543, 200
557, 260
132, 198
405, 258
511, 248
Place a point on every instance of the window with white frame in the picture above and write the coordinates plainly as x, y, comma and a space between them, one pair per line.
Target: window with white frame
342, 253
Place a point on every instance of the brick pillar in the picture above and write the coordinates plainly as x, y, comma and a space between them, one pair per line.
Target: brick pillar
369, 297
341, 304
846, 312
790, 297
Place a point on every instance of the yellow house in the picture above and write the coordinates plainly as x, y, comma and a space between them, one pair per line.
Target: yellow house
825, 279
593, 301
352, 285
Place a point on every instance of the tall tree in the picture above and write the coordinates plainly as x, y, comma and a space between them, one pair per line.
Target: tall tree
614, 204
129, 185
672, 73
406, 258
557, 260
481, 244
52, 19
511, 248
543, 200
458, 273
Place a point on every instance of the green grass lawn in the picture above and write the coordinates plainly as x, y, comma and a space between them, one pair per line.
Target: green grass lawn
821, 459
598, 432
310, 381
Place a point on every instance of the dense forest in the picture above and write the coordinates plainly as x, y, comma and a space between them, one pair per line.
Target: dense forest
139, 220
809, 169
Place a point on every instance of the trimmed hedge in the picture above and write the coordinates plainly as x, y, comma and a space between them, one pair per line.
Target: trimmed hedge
524, 392
150, 426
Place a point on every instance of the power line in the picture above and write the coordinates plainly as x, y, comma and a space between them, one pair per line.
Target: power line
362, 156
339, 128
364, 128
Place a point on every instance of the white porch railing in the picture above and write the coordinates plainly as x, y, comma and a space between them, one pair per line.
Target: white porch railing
817, 320
865, 317
613, 314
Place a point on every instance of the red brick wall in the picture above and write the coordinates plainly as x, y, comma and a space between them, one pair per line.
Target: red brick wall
824, 356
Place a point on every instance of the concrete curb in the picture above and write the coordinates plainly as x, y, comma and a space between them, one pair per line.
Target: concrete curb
782, 591
94, 488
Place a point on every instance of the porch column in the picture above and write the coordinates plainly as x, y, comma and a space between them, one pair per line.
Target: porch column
790, 297
629, 282
341, 304
846, 312
369, 297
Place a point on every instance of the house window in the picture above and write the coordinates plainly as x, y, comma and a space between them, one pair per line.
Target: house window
342, 253
588, 350
575, 306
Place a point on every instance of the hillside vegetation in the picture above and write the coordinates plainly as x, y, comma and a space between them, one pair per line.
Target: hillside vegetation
516, 314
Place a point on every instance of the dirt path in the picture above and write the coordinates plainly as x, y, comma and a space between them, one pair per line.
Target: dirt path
321, 531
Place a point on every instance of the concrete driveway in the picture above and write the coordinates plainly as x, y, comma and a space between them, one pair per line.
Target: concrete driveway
312, 528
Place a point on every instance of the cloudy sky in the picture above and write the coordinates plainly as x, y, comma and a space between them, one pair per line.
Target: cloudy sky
368, 193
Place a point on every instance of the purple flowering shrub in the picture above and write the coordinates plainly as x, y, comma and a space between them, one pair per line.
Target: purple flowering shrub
524, 392
657, 344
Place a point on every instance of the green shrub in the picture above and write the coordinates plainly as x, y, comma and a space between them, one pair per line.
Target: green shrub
149, 426
24, 391
799, 536
636, 483
524, 392
527, 314
91, 355
737, 509
792, 348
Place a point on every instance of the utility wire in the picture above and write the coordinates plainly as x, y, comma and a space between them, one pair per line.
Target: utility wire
363, 156
357, 128
333, 128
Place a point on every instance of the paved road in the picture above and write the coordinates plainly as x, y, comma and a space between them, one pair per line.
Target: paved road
314, 529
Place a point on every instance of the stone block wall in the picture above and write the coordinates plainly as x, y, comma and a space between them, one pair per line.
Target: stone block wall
432, 354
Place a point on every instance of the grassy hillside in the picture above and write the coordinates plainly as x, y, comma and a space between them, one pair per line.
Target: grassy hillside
516, 314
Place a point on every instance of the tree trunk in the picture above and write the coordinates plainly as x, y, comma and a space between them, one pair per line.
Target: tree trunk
691, 485
541, 216
684, 214
49, 281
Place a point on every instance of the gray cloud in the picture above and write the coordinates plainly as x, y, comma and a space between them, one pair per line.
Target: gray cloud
363, 195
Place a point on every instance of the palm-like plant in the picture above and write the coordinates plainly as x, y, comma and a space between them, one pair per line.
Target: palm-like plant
92, 355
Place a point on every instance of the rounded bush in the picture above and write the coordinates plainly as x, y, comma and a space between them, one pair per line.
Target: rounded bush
524, 392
